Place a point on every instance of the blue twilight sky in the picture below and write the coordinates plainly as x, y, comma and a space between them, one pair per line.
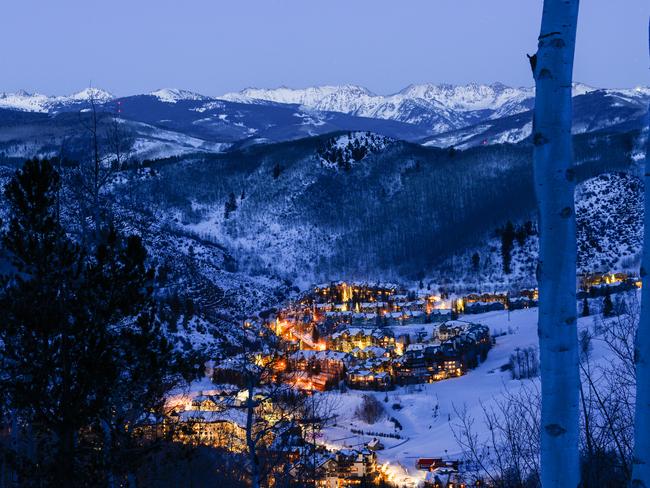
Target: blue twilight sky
216, 46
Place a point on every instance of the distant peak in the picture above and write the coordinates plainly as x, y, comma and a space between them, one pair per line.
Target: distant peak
302, 96
23, 93
173, 95
581, 88
91, 93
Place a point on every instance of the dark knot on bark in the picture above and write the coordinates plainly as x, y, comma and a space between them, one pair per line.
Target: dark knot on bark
558, 43
555, 430
539, 139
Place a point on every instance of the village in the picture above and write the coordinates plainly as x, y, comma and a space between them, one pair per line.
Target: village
376, 337
358, 336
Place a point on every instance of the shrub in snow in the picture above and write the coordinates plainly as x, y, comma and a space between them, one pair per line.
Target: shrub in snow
524, 363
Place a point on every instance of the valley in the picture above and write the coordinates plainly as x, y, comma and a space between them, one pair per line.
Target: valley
416, 214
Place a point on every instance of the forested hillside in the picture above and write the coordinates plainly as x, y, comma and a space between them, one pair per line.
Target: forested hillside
396, 210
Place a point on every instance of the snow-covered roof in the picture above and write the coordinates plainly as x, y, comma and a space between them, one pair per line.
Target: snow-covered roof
234, 416
319, 355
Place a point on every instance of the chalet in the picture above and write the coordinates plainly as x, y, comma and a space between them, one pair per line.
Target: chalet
372, 307
411, 368
530, 293
211, 401
383, 338
223, 429
519, 303
370, 352
483, 306
351, 338
348, 339
319, 370
353, 466
393, 318
364, 379
330, 362
443, 477
363, 318
346, 467
450, 329
486, 298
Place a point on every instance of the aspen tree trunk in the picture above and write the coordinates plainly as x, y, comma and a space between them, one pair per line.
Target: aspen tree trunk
250, 442
641, 458
554, 187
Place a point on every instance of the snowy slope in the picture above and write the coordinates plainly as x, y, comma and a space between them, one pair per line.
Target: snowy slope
425, 434
609, 219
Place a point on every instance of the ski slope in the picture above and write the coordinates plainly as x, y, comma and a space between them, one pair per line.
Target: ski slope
423, 433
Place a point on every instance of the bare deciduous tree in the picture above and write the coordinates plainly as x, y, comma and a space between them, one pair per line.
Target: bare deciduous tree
554, 179
641, 469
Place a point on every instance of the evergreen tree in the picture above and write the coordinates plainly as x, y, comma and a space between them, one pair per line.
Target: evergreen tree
529, 227
507, 241
608, 305
230, 205
476, 262
91, 349
521, 235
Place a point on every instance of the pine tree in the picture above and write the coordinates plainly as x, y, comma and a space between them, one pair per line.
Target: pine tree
476, 262
520, 235
230, 205
608, 305
277, 171
507, 241
90, 349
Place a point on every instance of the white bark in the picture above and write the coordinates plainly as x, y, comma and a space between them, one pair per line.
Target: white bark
554, 187
641, 458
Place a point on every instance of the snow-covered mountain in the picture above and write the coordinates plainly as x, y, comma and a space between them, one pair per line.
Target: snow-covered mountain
593, 110
437, 115
37, 102
173, 95
438, 108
